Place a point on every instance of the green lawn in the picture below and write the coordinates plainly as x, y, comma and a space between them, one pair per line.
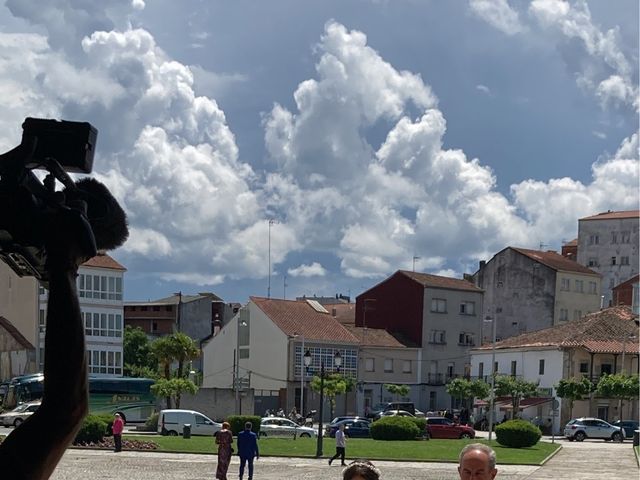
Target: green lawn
432, 450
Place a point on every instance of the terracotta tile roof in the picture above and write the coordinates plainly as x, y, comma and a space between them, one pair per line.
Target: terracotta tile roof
599, 332
15, 333
102, 260
571, 243
556, 261
345, 313
613, 215
375, 337
300, 318
629, 282
436, 281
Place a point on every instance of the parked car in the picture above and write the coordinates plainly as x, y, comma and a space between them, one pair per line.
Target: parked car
353, 428
382, 407
172, 421
346, 417
440, 427
419, 413
580, 428
629, 426
394, 413
278, 426
19, 414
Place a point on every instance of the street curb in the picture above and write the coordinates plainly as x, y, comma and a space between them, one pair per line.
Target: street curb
635, 453
551, 455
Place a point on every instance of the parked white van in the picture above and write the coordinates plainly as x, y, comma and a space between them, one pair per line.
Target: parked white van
172, 422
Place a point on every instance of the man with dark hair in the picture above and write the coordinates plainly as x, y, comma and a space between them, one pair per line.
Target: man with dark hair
477, 462
247, 449
361, 470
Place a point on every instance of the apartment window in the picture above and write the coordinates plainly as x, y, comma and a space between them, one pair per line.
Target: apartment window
624, 260
594, 240
168, 308
577, 314
439, 305
593, 288
613, 260
467, 308
565, 284
625, 237
612, 283
564, 314
156, 308
437, 336
514, 366
541, 367
42, 321
102, 324
605, 368
451, 367
579, 286
481, 370
593, 262
584, 367
614, 237
495, 367
388, 365
154, 326
370, 365
465, 339
406, 366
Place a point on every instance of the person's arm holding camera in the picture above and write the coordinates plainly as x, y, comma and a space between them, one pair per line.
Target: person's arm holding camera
34, 449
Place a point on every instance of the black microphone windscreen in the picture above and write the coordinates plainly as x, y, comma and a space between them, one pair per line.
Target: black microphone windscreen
106, 217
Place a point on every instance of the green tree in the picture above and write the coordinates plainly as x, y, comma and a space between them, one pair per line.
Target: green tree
397, 390
175, 348
516, 388
138, 359
459, 388
620, 386
573, 389
334, 384
479, 389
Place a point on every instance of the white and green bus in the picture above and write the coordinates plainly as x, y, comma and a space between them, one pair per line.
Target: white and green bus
130, 397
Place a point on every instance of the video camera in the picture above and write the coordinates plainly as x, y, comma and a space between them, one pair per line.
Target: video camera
29, 207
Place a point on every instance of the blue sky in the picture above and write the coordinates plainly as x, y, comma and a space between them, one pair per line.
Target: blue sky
370, 131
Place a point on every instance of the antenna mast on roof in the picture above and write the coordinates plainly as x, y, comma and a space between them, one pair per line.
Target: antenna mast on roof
414, 262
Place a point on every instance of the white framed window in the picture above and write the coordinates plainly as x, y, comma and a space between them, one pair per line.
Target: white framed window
624, 260
466, 339
614, 237
439, 305
406, 366
564, 314
579, 286
370, 364
592, 262
577, 314
388, 365
100, 287
565, 284
593, 288
105, 362
438, 336
594, 240
625, 237
467, 308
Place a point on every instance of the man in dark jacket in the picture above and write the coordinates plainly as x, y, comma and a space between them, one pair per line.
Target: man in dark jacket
247, 449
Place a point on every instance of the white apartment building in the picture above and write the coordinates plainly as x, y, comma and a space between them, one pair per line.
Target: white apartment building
100, 290
608, 244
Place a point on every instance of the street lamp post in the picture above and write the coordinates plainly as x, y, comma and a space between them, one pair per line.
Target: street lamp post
493, 373
337, 361
236, 359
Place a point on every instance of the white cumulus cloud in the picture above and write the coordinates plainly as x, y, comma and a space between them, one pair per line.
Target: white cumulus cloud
499, 14
313, 270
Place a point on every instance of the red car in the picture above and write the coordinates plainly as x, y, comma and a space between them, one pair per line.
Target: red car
440, 427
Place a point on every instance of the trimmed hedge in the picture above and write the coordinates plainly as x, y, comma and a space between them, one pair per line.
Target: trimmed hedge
421, 423
517, 434
395, 428
237, 423
94, 429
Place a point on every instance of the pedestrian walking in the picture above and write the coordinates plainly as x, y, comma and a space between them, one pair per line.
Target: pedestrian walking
341, 445
224, 439
247, 449
477, 461
361, 470
117, 428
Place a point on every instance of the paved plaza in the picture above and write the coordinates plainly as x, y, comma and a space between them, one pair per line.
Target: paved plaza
589, 460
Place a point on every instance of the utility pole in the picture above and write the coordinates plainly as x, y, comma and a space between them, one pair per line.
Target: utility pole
271, 222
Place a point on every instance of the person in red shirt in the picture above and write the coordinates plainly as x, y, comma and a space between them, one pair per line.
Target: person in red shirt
118, 427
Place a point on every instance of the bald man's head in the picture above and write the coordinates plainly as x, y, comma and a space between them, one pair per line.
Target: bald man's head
477, 462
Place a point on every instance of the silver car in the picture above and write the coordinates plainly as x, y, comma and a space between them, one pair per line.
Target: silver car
580, 428
278, 426
19, 414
